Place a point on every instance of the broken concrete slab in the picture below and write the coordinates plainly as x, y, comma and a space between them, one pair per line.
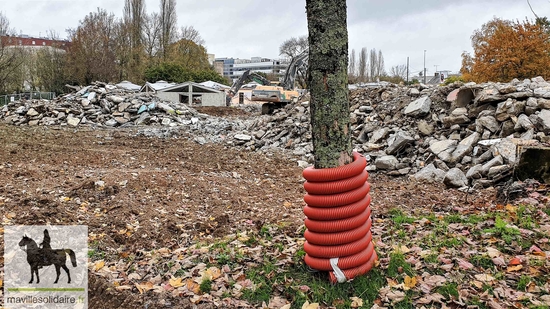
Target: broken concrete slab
419, 107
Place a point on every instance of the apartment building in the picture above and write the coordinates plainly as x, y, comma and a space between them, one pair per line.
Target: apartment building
234, 68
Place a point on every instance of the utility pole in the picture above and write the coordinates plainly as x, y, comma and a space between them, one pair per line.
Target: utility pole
424, 66
436, 65
407, 70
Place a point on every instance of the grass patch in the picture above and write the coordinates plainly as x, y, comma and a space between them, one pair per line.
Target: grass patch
399, 266
94, 253
398, 217
449, 290
267, 277
454, 218
523, 282
501, 229
451, 242
481, 260
206, 286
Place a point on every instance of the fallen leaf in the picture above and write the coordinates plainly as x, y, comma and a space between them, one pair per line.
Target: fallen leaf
196, 299
99, 265
278, 302
435, 280
465, 264
515, 261
401, 249
484, 277
514, 268
511, 209
356, 302
304, 288
409, 283
307, 305
499, 261
176, 282
493, 253
391, 282
534, 271
213, 273
545, 299
396, 296
532, 287
435, 297
144, 287
192, 286
477, 284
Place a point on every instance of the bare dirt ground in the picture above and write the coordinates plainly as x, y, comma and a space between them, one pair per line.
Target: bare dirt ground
140, 194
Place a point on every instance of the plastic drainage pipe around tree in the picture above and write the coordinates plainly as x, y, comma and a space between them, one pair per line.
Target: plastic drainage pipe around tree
338, 236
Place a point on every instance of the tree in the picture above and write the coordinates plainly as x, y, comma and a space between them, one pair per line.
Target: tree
168, 26
134, 16
363, 65
189, 51
328, 80
130, 39
504, 50
293, 47
398, 72
92, 53
189, 55
123, 49
191, 34
373, 60
11, 59
290, 49
46, 67
151, 36
50, 64
542, 21
169, 72
352, 67
380, 70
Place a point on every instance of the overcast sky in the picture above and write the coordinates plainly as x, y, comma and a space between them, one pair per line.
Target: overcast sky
247, 28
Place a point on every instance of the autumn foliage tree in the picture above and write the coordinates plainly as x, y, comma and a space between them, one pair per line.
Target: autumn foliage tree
504, 50
92, 54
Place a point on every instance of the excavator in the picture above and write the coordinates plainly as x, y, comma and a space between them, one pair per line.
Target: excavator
274, 96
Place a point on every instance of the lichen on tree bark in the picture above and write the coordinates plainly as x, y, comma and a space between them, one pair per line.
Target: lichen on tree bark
328, 80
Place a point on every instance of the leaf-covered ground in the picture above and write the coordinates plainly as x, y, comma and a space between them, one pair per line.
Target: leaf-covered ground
174, 224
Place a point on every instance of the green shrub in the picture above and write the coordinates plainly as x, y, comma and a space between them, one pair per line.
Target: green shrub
453, 79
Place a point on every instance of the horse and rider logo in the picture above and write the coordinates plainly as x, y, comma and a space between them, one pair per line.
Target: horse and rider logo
44, 255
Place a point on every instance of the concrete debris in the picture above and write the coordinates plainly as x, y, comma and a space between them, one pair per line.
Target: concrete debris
100, 105
458, 135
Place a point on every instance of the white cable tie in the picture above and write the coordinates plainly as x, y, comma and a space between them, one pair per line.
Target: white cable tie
337, 271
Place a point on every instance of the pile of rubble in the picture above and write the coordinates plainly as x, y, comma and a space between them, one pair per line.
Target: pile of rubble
461, 134
99, 104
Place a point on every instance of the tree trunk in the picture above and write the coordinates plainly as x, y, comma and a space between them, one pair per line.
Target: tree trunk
328, 81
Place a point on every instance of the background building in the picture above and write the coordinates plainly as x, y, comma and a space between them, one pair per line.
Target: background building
31, 42
234, 68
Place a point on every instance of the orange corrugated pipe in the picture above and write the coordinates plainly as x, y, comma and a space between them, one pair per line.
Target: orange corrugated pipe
338, 236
